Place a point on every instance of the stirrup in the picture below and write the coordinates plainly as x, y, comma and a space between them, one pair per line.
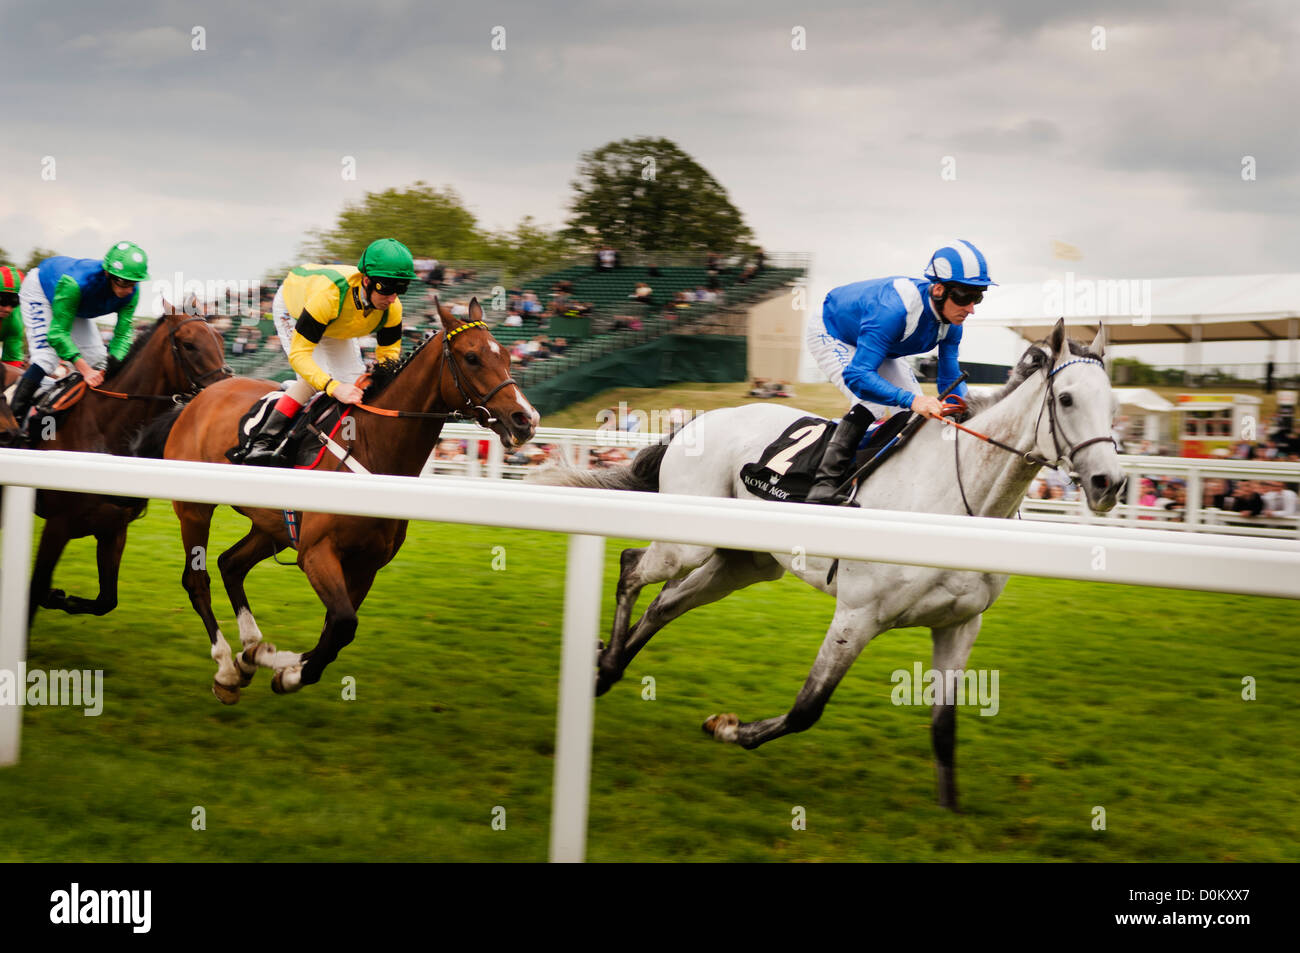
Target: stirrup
832, 494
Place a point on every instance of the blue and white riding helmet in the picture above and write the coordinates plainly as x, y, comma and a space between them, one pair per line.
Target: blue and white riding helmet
959, 262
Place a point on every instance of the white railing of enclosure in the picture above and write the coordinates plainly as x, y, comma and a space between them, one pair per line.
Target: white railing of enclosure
1087, 552
1195, 519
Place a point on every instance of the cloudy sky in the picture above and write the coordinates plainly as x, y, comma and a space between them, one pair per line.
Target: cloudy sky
217, 160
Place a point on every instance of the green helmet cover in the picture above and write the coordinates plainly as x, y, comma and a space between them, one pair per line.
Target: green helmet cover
387, 258
127, 260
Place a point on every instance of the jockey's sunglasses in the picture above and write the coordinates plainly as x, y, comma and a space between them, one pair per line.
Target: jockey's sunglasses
121, 282
391, 286
962, 295
8, 299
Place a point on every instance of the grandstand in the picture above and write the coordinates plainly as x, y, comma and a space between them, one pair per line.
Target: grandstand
616, 323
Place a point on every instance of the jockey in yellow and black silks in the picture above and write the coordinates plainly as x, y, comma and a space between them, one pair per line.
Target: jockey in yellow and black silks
319, 312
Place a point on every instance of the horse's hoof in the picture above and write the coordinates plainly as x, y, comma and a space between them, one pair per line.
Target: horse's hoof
286, 680
722, 727
54, 599
226, 694
248, 666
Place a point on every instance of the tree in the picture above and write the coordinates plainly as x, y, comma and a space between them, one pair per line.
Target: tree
432, 223
37, 256
648, 194
530, 247
4, 257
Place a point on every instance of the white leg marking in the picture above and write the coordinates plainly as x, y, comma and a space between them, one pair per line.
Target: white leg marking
249, 633
278, 660
227, 674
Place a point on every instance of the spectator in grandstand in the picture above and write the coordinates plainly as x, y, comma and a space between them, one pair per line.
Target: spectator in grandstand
643, 293
866, 330
1246, 500
514, 319
607, 259
559, 346
681, 300
1213, 492
1279, 500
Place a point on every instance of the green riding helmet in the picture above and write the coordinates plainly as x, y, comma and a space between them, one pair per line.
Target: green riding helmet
127, 260
387, 258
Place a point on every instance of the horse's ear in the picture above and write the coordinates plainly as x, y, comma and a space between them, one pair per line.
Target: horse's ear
192, 307
1056, 342
475, 310
168, 307
1098, 345
448, 320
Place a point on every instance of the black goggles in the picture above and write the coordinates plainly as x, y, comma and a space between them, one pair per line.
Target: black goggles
962, 295
391, 286
8, 299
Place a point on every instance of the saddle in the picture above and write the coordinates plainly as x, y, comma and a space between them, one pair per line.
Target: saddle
787, 469
54, 401
320, 418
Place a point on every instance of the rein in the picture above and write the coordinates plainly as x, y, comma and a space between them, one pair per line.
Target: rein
483, 419
1032, 459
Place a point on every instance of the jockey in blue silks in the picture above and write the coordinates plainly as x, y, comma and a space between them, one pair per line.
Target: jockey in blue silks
867, 328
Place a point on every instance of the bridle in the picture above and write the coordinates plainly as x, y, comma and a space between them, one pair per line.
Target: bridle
1053, 425
479, 412
196, 381
477, 407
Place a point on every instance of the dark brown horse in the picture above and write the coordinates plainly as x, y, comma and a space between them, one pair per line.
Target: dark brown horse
170, 361
459, 371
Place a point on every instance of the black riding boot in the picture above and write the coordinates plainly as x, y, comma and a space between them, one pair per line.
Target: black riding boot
24, 394
837, 459
267, 447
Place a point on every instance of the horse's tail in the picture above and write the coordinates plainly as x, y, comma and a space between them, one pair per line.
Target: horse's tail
641, 475
150, 439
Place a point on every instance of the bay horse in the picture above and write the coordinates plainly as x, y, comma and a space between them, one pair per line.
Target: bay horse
175, 358
459, 372
1063, 413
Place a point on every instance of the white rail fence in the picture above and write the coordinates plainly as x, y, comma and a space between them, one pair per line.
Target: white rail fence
1086, 552
575, 445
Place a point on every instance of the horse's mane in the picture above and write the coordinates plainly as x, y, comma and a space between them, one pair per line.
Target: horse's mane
382, 375
140, 343
1038, 355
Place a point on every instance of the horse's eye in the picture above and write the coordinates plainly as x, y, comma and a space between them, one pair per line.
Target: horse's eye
190, 347
1067, 400
471, 358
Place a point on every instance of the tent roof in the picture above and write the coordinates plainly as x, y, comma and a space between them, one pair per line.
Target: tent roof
1226, 308
1142, 398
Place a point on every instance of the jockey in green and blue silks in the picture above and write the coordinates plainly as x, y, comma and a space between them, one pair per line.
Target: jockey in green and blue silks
60, 299
867, 328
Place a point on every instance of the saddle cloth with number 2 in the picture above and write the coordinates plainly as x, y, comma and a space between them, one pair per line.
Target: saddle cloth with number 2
787, 469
